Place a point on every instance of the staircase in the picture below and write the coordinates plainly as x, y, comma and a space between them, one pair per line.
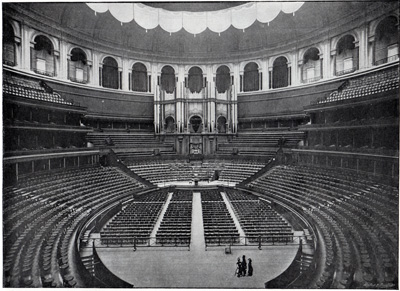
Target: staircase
89, 264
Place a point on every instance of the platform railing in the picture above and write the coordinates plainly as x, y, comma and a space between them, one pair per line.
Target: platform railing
136, 242
210, 241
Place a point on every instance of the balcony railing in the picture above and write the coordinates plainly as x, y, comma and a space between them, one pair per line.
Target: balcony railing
81, 81
311, 80
387, 60
9, 63
347, 71
46, 73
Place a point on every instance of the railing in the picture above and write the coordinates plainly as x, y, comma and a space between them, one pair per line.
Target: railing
387, 60
310, 80
136, 242
215, 241
257, 241
347, 71
81, 81
46, 73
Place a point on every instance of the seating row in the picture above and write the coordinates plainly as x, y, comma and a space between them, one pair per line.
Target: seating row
357, 218
43, 214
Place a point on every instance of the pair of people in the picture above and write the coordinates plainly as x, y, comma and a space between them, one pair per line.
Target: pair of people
243, 267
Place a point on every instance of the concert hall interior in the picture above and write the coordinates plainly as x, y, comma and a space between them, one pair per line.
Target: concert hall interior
201, 144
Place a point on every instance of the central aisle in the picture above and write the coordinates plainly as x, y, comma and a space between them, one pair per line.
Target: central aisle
197, 242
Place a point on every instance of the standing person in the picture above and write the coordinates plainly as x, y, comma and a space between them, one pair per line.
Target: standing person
244, 265
250, 268
238, 268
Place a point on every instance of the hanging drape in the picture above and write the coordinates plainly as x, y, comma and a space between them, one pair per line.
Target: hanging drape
280, 73
195, 80
145, 16
251, 78
110, 77
223, 81
168, 79
240, 17
139, 78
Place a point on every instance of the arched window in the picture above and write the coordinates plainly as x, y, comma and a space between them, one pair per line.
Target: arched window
311, 69
8, 44
346, 56
139, 77
251, 79
280, 73
168, 79
42, 56
78, 70
110, 74
195, 80
223, 80
386, 41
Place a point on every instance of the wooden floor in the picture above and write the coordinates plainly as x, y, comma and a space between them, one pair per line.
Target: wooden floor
172, 268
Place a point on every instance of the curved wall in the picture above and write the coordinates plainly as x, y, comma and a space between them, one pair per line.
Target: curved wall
30, 20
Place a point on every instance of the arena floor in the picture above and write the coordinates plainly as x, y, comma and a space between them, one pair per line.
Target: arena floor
173, 268
179, 267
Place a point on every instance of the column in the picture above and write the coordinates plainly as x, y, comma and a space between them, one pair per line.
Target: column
120, 78
25, 48
294, 69
241, 74
265, 77
371, 51
363, 47
125, 74
270, 78
302, 78
94, 78
333, 63
326, 72
64, 57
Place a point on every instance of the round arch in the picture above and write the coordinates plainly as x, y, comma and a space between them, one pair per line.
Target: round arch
117, 59
54, 41
374, 24
386, 41
346, 60
311, 69
243, 64
190, 67
78, 69
195, 121
42, 56
335, 40
9, 49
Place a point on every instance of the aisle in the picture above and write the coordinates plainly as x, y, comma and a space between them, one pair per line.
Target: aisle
197, 242
161, 216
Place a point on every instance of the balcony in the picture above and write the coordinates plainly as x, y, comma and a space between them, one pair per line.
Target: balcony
387, 60
346, 71
45, 73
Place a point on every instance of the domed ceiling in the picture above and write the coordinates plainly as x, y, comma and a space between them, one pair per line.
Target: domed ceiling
78, 19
